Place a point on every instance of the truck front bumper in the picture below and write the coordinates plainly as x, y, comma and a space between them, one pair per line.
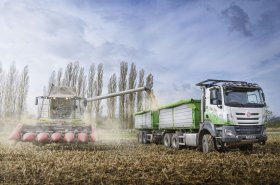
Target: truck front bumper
243, 134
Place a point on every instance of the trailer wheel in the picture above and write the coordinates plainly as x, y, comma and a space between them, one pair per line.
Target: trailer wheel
248, 147
140, 137
144, 138
207, 143
167, 139
175, 141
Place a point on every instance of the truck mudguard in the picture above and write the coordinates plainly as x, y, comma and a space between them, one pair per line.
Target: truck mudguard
206, 127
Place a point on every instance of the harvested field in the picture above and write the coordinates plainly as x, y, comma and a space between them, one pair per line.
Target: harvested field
126, 162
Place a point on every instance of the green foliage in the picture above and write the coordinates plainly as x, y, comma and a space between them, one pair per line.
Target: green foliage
273, 124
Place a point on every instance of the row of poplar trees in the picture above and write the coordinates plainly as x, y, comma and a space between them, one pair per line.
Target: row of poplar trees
13, 92
90, 84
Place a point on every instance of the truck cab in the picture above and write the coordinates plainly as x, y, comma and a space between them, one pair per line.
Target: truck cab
233, 113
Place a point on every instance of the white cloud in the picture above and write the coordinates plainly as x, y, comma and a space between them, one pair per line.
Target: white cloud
180, 44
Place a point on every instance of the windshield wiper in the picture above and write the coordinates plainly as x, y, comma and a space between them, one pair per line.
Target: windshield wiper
253, 105
235, 104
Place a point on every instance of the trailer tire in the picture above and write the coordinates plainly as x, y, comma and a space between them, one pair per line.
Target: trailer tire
140, 137
144, 138
207, 143
175, 141
167, 139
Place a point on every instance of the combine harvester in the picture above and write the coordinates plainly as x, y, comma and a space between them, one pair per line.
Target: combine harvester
230, 114
61, 118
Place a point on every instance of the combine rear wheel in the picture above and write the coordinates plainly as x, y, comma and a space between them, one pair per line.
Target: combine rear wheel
208, 144
167, 139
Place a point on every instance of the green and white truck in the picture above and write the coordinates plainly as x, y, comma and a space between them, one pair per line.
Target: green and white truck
230, 114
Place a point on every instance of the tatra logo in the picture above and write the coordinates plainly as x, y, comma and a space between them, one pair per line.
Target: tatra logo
248, 114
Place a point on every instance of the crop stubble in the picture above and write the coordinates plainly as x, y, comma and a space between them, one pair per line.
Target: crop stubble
126, 162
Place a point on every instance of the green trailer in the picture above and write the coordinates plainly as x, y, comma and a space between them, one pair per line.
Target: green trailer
161, 124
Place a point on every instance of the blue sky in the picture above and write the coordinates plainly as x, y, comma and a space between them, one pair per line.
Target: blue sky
181, 42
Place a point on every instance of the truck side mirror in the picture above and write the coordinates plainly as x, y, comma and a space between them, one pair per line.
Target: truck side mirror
214, 94
214, 97
36, 101
85, 103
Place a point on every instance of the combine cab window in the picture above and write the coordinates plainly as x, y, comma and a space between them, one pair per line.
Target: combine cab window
61, 108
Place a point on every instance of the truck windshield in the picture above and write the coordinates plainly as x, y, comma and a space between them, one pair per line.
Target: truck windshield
242, 97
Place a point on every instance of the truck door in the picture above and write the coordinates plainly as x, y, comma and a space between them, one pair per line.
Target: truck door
214, 108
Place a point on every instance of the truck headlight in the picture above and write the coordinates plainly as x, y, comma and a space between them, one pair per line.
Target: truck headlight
229, 132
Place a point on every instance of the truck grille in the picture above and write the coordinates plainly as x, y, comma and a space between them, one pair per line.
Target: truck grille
242, 114
242, 119
245, 130
249, 123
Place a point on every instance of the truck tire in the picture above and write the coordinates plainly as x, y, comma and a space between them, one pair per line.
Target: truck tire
144, 138
248, 147
207, 143
175, 141
140, 137
167, 139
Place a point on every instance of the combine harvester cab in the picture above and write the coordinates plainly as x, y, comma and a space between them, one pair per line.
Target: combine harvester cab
60, 120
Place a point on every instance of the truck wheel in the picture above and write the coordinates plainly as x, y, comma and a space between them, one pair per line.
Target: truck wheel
167, 139
144, 138
175, 141
140, 137
207, 143
248, 147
